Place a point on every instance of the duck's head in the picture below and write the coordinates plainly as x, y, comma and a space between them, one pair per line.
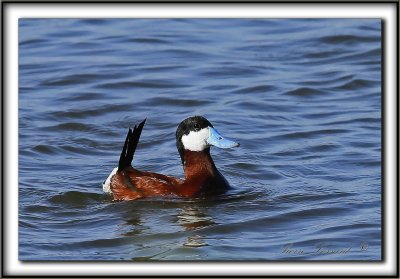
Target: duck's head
197, 134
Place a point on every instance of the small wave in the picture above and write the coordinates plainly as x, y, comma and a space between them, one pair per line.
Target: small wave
32, 42
320, 115
304, 92
95, 21
81, 150
351, 58
348, 228
38, 208
184, 53
369, 120
69, 33
322, 80
311, 134
83, 113
99, 53
270, 175
348, 39
73, 79
259, 105
357, 159
72, 126
27, 66
370, 28
63, 149
361, 144
357, 84
336, 177
289, 153
147, 40
309, 213
75, 127
245, 196
102, 243
231, 72
368, 163
281, 219
252, 171
161, 68
87, 96
219, 87
83, 45
257, 48
256, 89
156, 84
75, 198
176, 102
369, 54
30, 225
243, 166
310, 197
322, 148
45, 149
321, 54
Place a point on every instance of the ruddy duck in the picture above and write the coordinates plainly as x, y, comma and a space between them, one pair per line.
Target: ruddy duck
194, 137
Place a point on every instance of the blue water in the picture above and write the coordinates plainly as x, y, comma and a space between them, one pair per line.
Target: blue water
303, 98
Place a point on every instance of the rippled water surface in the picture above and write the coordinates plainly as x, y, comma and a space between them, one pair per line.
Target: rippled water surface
303, 97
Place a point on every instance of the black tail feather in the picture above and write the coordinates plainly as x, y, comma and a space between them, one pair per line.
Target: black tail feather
131, 142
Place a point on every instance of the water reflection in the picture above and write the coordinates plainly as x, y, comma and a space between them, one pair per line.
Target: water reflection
189, 215
193, 217
195, 241
136, 224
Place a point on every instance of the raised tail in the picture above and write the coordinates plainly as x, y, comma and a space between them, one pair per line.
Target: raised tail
131, 142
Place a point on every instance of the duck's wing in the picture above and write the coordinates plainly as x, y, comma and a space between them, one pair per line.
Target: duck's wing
122, 190
132, 184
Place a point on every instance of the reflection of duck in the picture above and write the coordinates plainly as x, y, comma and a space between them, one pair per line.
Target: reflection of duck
187, 216
194, 137
195, 241
192, 218
136, 224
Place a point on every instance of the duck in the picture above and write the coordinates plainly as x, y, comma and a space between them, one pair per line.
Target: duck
194, 137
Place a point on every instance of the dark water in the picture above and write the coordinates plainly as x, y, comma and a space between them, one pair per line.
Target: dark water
303, 97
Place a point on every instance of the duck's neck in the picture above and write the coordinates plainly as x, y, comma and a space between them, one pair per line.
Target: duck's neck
198, 164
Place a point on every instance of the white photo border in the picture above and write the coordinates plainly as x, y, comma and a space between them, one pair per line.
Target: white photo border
14, 11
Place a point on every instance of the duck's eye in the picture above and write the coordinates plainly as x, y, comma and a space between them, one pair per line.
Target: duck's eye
196, 127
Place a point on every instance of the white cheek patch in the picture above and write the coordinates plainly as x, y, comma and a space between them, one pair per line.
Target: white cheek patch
107, 183
196, 141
